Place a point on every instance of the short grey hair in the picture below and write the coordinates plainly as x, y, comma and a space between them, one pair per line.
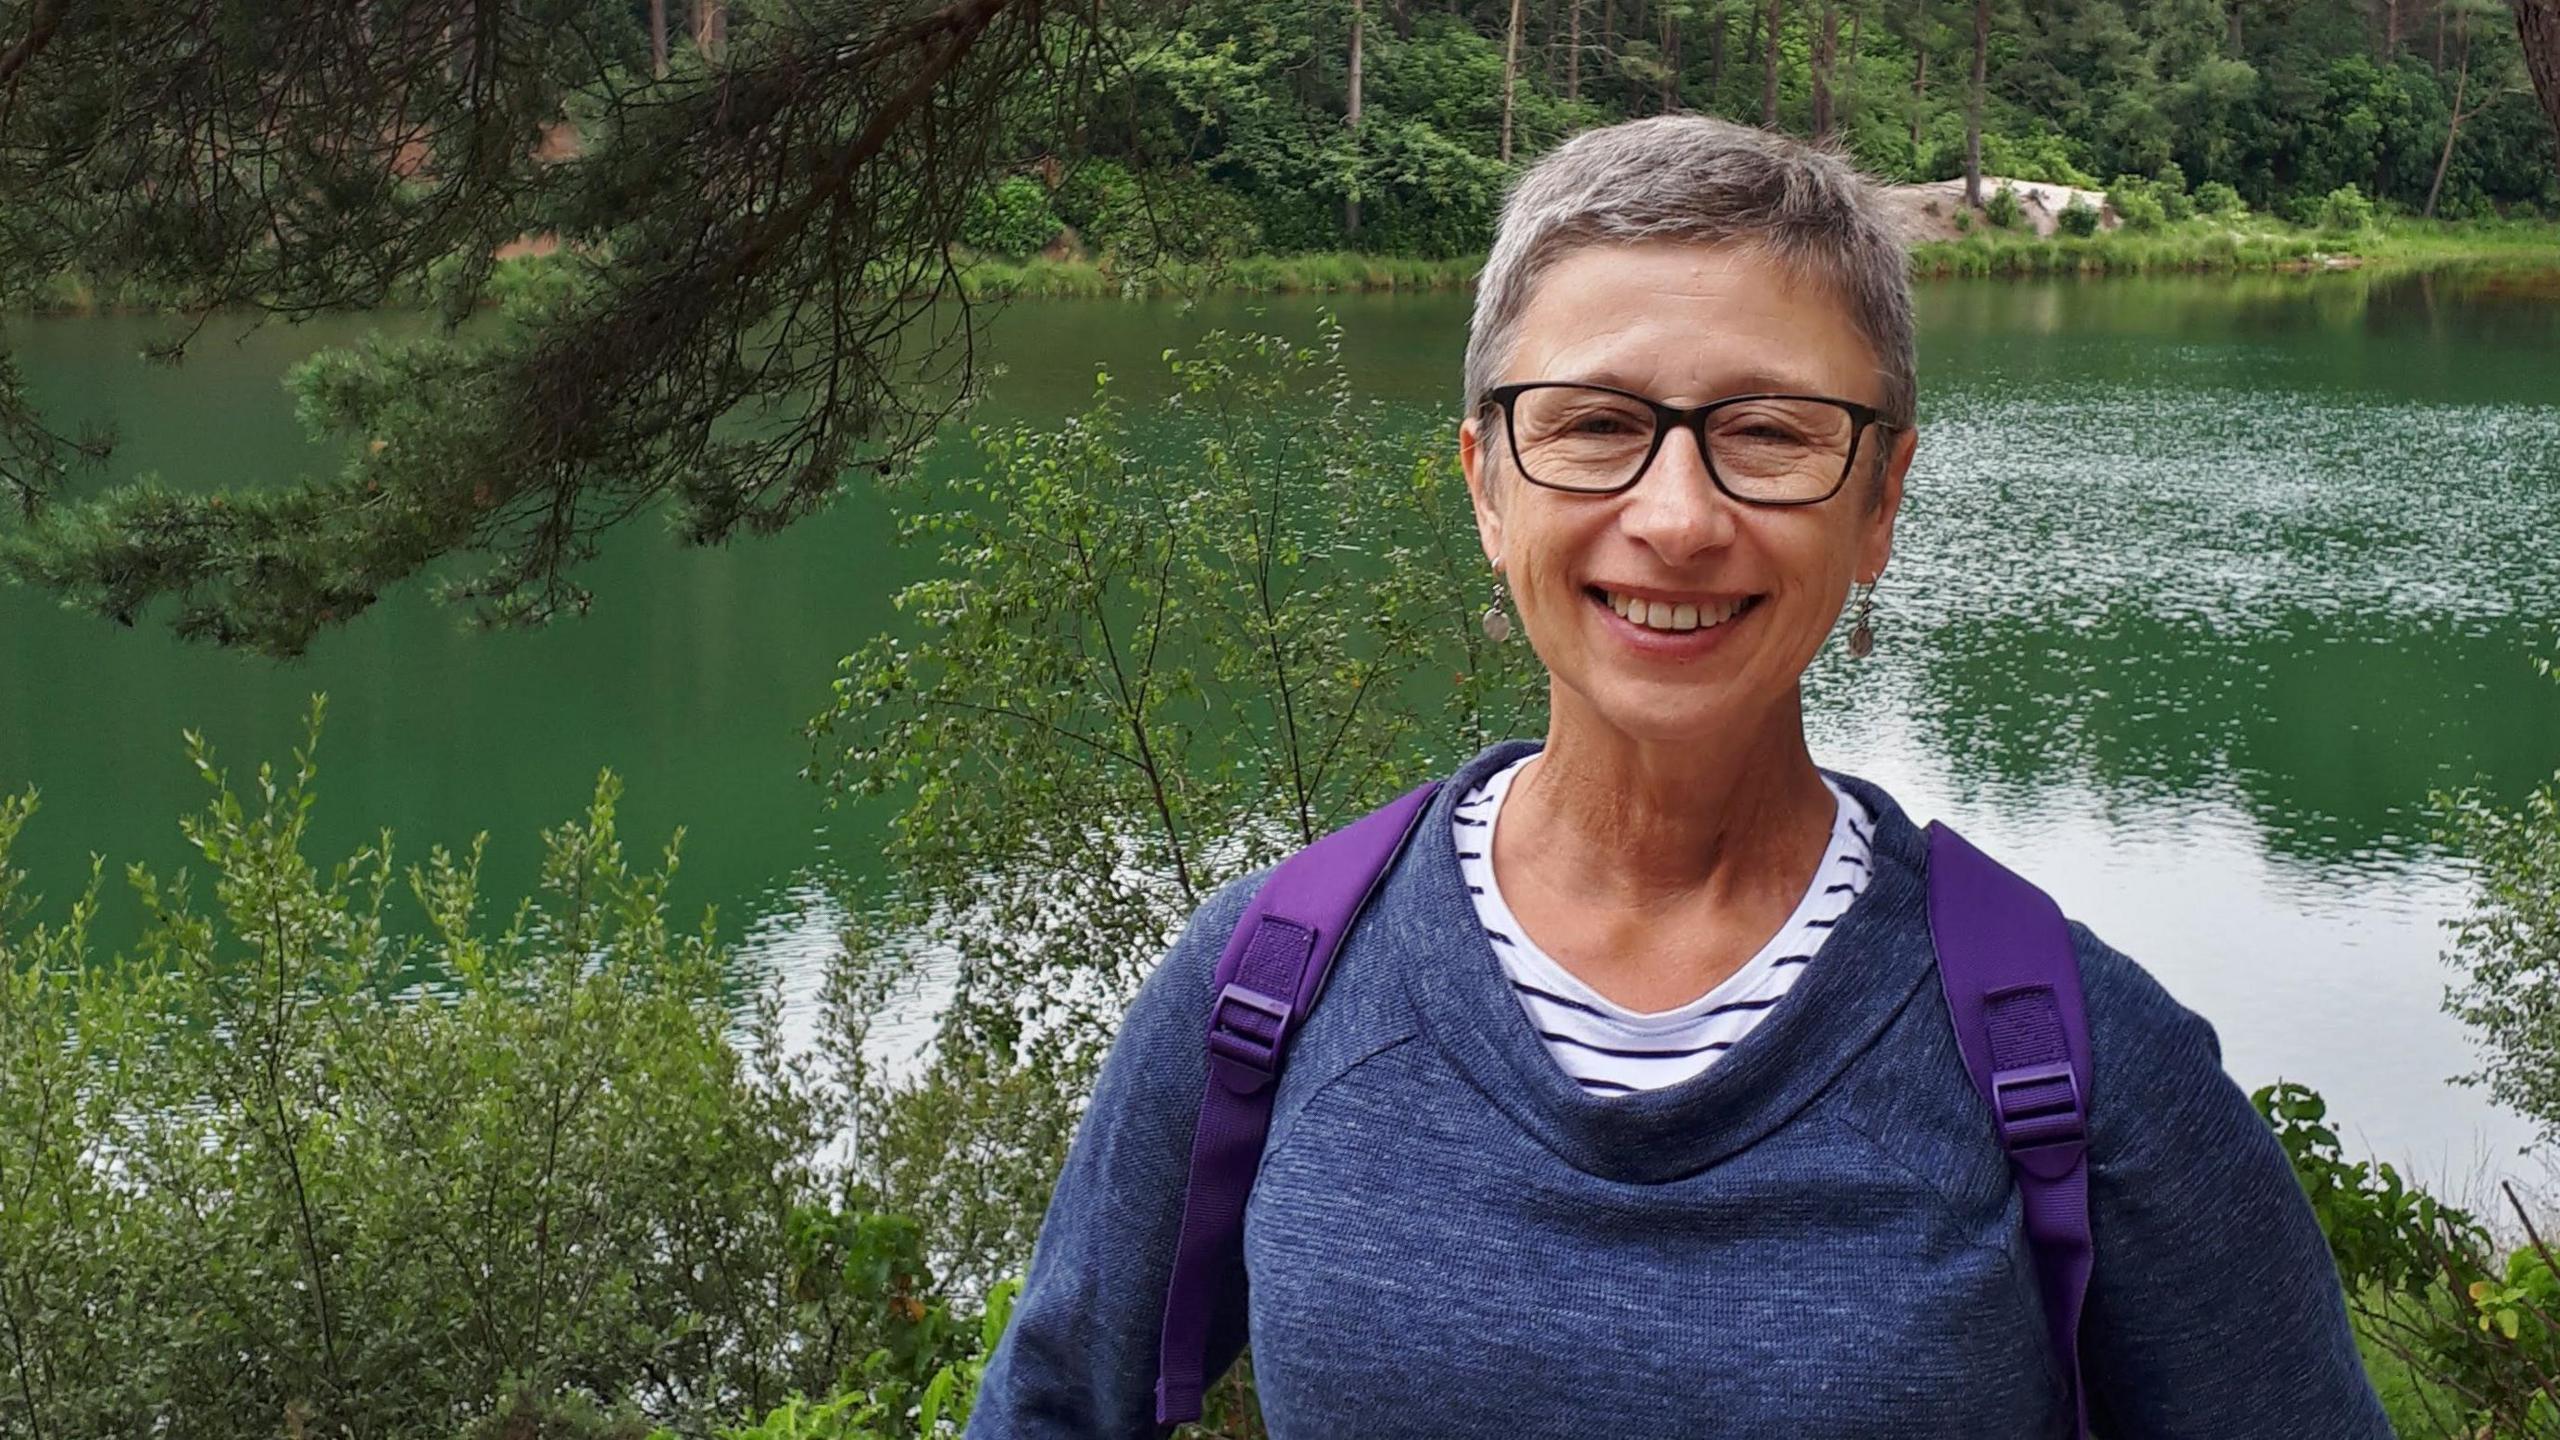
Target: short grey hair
1695, 178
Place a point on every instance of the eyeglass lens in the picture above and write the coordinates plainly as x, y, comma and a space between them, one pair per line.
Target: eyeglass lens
1762, 449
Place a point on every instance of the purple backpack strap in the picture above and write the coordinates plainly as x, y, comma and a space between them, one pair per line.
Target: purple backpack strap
2013, 990
1270, 975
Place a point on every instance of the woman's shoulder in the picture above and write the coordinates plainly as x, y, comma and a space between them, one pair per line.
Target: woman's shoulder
1178, 991
2131, 1005
2157, 1082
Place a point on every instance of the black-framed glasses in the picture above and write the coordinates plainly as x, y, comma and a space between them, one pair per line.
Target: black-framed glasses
1760, 449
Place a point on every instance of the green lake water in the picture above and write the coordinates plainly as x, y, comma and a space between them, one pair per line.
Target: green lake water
2204, 584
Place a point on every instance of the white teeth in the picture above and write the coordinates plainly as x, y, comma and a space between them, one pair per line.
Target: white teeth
1670, 616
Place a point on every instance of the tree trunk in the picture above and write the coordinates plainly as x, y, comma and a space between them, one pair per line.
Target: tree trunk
1573, 55
1669, 100
1826, 49
2236, 52
658, 38
1919, 73
2390, 29
1639, 22
710, 27
1715, 60
2461, 78
1973, 104
1849, 92
2439, 56
2538, 28
1351, 119
1510, 77
1609, 34
1775, 18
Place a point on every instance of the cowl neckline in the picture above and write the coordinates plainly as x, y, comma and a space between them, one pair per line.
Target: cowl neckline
1871, 967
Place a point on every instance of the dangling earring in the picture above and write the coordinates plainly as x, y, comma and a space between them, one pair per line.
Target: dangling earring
1862, 636
1497, 625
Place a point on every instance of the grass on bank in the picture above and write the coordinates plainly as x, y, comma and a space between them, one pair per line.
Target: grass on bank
2198, 246
2211, 245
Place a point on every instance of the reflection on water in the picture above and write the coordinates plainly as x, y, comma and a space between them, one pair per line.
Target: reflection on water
2203, 587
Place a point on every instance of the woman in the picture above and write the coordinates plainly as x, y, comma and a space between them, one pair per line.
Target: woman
1631, 1109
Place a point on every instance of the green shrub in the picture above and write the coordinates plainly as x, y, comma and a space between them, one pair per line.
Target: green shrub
2078, 218
2046, 156
2471, 1332
311, 1159
2171, 186
2347, 210
1091, 189
2002, 208
1173, 216
1964, 222
2137, 203
1012, 218
2507, 946
2213, 197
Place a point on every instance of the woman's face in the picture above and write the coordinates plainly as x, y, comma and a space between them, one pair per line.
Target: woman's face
1685, 324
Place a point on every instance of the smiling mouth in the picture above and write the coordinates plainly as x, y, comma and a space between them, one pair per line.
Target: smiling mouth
1675, 617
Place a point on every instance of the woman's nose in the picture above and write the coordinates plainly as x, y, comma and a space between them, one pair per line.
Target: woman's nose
1675, 508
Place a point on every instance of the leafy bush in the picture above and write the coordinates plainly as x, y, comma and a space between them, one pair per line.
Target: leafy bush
2423, 1281
2213, 197
940, 1409
2002, 208
1011, 218
1091, 189
1964, 222
298, 1165
2170, 184
2346, 209
2078, 218
2137, 203
2046, 156
1164, 216
2507, 946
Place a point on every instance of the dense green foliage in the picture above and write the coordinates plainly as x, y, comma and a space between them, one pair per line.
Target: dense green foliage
2465, 1339
1011, 218
2508, 946
328, 1154
2274, 107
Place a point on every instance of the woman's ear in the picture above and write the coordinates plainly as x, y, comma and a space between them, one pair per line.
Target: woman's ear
1876, 545
1478, 466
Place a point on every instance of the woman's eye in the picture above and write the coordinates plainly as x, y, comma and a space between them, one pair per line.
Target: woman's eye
1769, 431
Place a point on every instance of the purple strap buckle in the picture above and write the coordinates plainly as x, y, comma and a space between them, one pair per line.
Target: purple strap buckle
2039, 1105
1245, 1030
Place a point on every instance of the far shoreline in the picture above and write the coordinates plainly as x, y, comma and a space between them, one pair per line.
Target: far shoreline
2199, 247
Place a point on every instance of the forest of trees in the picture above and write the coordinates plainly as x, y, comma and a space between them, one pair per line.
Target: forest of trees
1390, 125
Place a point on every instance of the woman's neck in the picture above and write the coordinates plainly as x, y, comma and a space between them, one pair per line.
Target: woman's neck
1630, 824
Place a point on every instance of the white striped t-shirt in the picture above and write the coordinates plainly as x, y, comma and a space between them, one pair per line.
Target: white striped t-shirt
1610, 1049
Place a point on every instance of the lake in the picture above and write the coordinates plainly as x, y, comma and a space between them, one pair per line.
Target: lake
2203, 586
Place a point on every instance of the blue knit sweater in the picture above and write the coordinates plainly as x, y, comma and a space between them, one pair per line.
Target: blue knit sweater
1816, 1238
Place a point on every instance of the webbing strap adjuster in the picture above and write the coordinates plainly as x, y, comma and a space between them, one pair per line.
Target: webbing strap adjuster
2039, 1105
1245, 1029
